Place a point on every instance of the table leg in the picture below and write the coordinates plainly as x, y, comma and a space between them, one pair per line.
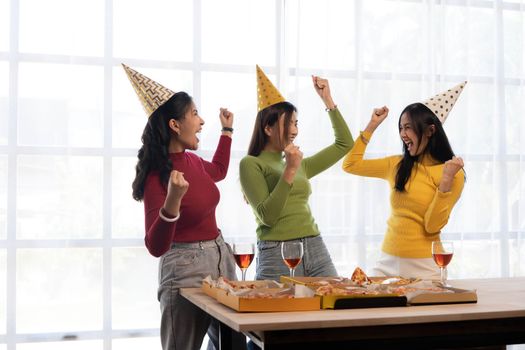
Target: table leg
230, 339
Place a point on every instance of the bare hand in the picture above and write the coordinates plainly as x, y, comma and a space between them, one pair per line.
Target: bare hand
452, 166
177, 185
226, 117
293, 156
322, 88
379, 114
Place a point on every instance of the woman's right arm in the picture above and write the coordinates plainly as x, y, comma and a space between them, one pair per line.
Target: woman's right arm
159, 232
266, 204
354, 163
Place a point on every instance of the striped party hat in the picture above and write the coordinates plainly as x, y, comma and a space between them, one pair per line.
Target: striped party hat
150, 93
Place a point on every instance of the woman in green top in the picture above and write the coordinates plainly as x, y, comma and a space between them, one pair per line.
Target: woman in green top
278, 189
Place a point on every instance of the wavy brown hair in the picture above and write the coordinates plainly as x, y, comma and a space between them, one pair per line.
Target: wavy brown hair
154, 153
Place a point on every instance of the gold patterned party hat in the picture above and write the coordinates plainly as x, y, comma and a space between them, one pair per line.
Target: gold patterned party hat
267, 93
150, 93
442, 103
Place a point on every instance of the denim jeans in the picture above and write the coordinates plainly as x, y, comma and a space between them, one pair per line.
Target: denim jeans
316, 260
183, 325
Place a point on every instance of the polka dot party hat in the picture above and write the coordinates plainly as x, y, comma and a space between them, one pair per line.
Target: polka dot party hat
267, 93
442, 103
150, 93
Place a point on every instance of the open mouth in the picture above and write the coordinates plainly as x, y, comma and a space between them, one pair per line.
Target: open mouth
409, 145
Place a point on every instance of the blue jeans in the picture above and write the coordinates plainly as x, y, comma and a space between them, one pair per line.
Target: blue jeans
316, 260
183, 325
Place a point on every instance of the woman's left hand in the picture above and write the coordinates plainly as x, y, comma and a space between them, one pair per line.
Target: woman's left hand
450, 169
322, 88
226, 118
452, 166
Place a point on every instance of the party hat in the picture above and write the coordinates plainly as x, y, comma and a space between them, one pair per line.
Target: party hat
442, 103
150, 93
267, 93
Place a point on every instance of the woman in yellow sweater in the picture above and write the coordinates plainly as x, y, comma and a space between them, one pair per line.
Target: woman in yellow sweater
426, 182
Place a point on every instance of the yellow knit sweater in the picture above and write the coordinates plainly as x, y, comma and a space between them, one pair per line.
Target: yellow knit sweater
418, 214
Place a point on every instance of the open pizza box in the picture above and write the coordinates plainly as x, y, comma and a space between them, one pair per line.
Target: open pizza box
384, 292
450, 296
350, 301
211, 289
260, 296
428, 292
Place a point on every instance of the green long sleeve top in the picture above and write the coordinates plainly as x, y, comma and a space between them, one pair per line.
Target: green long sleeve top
281, 210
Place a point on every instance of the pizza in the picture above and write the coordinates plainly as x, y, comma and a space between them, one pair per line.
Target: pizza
333, 281
332, 290
360, 277
226, 284
398, 281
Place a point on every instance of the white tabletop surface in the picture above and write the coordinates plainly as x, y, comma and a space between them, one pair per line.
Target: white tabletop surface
497, 298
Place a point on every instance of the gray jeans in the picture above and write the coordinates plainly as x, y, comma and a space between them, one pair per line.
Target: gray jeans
316, 260
183, 325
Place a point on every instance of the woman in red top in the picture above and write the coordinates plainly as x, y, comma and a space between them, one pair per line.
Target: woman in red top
180, 196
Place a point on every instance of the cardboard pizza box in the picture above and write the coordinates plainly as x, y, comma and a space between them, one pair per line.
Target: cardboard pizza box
352, 301
455, 296
266, 304
450, 296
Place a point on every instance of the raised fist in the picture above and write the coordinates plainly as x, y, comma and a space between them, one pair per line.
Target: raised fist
293, 156
452, 166
177, 184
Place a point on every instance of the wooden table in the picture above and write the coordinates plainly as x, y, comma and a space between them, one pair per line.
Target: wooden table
497, 319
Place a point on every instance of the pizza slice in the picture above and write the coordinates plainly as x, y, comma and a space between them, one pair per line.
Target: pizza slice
360, 277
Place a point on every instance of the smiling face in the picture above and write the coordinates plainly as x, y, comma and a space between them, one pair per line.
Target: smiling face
277, 140
293, 129
415, 143
185, 130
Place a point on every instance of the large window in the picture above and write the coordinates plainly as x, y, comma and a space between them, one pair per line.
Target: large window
72, 260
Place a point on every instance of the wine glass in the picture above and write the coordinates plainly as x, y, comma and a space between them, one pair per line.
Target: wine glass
243, 254
292, 253
442, 252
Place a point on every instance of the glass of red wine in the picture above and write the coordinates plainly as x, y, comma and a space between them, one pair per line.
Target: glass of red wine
442, 252
292, 253
243, 254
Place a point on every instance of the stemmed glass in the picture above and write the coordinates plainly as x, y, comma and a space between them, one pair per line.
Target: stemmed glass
292, 253
243, 254
442, 252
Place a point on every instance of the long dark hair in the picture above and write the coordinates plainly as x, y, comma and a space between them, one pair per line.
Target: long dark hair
269, 116
438, 146
154, 154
